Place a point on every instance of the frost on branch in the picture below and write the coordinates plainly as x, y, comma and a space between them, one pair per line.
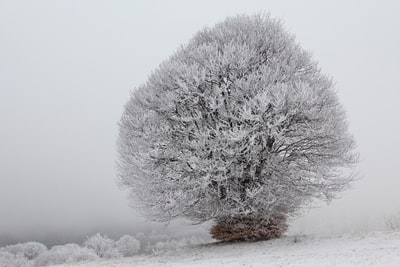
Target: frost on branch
239, 125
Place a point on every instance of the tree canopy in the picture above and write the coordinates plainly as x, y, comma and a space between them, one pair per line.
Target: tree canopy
239, 122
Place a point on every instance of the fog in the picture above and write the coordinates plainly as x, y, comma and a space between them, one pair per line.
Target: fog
67, 68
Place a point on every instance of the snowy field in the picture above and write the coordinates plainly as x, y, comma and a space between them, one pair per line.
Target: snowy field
369, 249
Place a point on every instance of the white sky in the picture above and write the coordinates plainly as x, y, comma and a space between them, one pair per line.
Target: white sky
67, 67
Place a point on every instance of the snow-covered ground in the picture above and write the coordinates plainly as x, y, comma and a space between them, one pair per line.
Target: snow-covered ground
368, 249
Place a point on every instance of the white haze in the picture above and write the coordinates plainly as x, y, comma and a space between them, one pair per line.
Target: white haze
66, 69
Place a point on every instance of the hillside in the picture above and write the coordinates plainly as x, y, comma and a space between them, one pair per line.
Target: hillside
366, 249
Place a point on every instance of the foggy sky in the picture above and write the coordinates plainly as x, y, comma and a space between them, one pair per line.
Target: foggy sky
67, 67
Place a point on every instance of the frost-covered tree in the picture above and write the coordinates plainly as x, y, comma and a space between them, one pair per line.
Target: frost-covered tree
239, 126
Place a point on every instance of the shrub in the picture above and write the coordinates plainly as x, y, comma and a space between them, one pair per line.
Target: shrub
174, 244
248, 229
29, 250
8, 259
392, 222
103, 246
69, 253
128, 245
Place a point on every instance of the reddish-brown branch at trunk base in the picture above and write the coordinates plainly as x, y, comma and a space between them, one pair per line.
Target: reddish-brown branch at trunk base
248, 228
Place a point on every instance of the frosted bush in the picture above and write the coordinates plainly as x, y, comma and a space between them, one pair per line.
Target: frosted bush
155, 237
393, 222
69, 253
143, 240
29, 250
8, 259
103, 246
128, 245
175, 244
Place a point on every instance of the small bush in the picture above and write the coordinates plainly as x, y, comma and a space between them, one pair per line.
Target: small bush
144, 242
103, 246
393, 222
175, 244
8, 259
128, 245
248, 229
69, 253
29, 250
